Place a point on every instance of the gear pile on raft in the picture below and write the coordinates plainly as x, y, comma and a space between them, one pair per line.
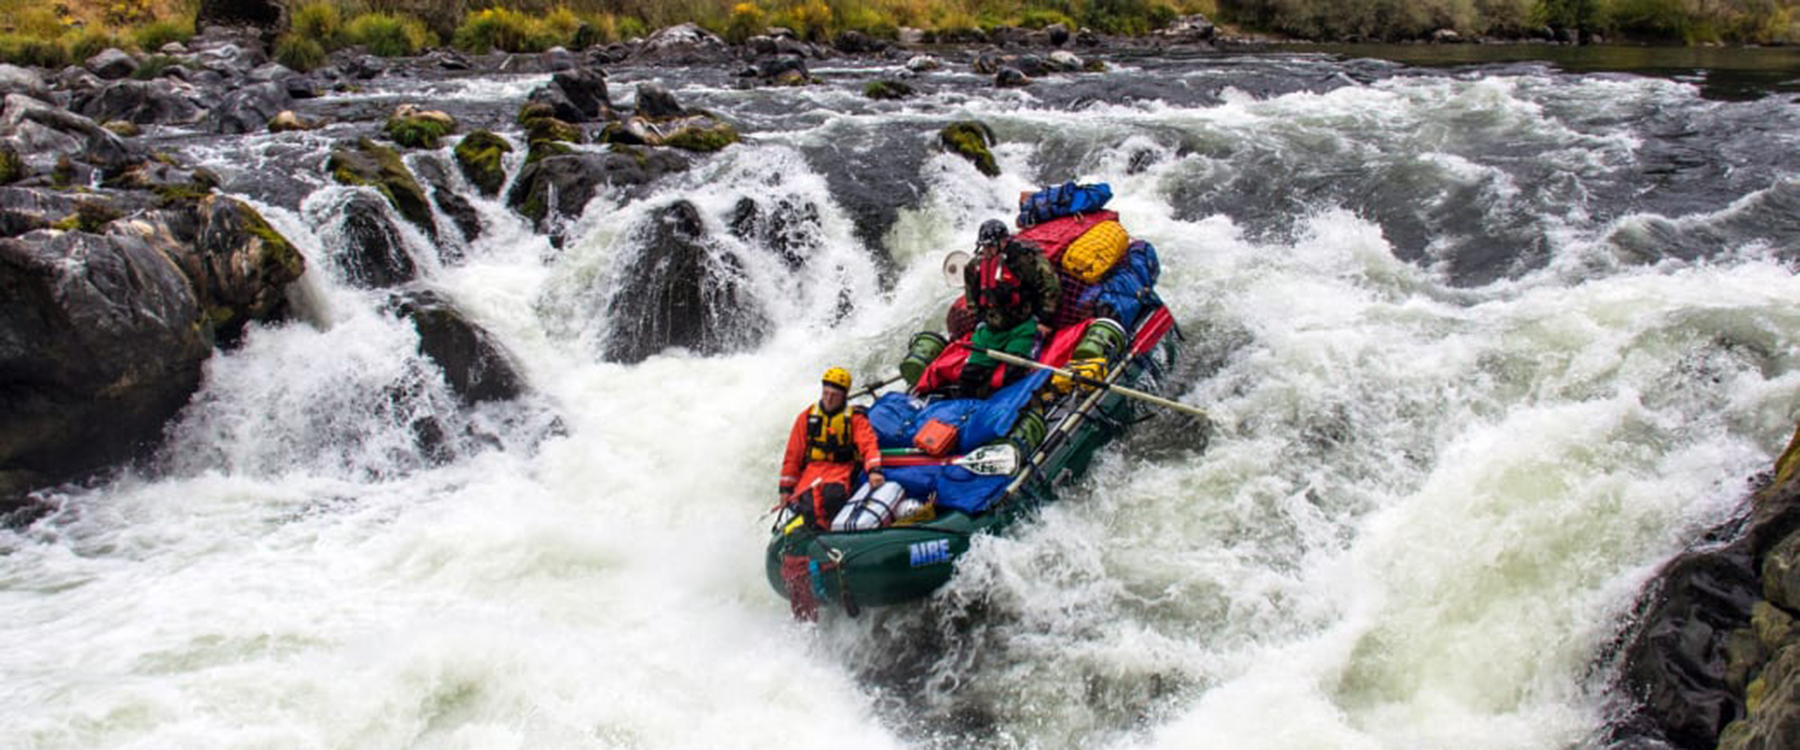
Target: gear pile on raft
1048, 355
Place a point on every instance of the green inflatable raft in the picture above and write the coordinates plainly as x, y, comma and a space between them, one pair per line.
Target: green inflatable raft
910, 559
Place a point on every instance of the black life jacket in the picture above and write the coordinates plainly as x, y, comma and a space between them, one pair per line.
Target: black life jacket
828, 436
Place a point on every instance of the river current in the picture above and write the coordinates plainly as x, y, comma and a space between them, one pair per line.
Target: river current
1484, 345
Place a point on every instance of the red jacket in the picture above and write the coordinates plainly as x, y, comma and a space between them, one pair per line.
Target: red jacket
794, 462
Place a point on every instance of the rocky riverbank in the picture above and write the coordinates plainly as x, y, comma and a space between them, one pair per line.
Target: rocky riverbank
1713, 657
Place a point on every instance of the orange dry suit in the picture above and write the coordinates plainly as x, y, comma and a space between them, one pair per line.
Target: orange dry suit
823, 452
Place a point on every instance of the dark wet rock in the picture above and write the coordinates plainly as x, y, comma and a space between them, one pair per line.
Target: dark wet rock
680, 292
447, 58
372, 164
480, 156
475, 365
1683, 663
887, 90
23, 209
111, 64
1086, 37
1781, 574
100, 344
17, 80
1057, 34
267, 16
779, 70
555, 188
558, 59
857, 43
987, 62
45, 136
1008, 36
230, 54
240, 267
971, 139
577, 95
250, 109
1010, 77
435, 176
684, 44
162, 101
788, 228
374, 254
656, 102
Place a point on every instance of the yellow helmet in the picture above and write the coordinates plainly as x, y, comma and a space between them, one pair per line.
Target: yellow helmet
839, 377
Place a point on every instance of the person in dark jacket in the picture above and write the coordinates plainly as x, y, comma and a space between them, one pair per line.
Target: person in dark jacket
1013, 291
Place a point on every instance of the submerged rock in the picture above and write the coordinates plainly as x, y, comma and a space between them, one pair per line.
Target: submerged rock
679, 292
557, 187
435, 176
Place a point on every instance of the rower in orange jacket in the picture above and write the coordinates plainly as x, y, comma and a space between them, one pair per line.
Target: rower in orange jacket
827, 443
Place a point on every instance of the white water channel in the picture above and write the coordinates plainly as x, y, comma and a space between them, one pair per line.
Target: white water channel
1425, 510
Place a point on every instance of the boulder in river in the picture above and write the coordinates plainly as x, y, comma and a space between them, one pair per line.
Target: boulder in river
555, 188
577, 95
479, 155
374, 253
680, 292
434, 174
372, 164
971, 140
161, 101
249, 109
100, 344
475, 365
412, 126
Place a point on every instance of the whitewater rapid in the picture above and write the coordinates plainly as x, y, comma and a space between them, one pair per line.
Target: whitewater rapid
1471, 384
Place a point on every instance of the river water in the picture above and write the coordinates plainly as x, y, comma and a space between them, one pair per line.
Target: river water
1484, 344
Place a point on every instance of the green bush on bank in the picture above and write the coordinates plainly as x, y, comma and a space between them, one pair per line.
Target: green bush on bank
389, 35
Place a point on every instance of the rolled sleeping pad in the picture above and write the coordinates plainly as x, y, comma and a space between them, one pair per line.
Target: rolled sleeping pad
921, 351
1101, 340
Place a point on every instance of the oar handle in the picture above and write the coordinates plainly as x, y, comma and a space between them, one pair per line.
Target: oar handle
870, 389
1121, 390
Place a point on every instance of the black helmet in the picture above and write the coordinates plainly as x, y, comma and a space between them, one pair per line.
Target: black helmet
993, 232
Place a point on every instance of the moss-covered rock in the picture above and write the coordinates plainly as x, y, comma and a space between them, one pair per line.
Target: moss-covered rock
971, 140
372, 164
551, 129
702, 134
412, 127
887, 90
479, 155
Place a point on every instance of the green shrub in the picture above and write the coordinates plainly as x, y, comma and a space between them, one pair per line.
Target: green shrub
1038, 18
299, 53
1656, 20
320, 22
88, 42
746, 20
389, 35
153, 36
631, 27
32, 51
484, 31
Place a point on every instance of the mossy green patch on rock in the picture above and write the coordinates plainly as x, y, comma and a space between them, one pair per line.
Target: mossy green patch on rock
971, 139
419, 131
479, 154
551, 129
543, 149
534, 110
380, 167
90, 216
278, 261
887, 90
703, 139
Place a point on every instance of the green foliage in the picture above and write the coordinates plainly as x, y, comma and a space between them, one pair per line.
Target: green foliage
299, 53
1038, 18
90, 216
1656, 20
87, 43
154, 65
746, 21
319, 22
389, 35
484, 31
153, 36
32, 51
